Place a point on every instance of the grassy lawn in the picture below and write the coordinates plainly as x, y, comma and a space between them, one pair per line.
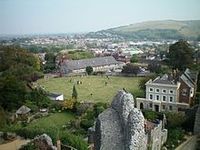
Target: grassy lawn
55, 120
93, 88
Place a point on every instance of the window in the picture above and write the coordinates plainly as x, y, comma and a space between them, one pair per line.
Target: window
150, 96
184, 92
164, 98
163, 107
150, 89
157, 90
170, 99
170, 107
150, 105
171, 91
164, 91
157, 97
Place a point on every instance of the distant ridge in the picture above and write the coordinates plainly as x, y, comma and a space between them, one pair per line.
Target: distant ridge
165, 29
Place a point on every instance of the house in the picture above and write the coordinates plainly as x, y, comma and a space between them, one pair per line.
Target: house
56, 96
22, 112
99, 64
188, 86
162, 94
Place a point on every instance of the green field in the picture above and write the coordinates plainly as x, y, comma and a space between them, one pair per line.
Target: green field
56, 120
93, 88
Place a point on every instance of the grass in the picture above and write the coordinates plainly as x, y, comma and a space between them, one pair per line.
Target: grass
93, 88
56, 120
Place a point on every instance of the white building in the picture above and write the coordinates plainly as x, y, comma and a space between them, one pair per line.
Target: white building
56, 97
162, 94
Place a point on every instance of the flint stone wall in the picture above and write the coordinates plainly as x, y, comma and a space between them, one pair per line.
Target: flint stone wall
120, 127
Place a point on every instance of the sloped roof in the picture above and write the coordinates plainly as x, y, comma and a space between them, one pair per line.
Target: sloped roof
93, 62
23, 110
186, 80
189, 77
53, 95
165, 79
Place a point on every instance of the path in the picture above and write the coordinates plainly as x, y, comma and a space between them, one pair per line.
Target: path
189, 144
14, 145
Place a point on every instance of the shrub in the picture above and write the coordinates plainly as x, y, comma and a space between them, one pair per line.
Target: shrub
29, 146
89, 70
85, 124
74, 141
90, 114
98, 110
69, 104
151, 115
175, 120
174, 136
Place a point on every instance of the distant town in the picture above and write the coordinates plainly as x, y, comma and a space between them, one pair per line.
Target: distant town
99, 91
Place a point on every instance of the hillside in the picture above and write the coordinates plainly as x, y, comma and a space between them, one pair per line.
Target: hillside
167, 29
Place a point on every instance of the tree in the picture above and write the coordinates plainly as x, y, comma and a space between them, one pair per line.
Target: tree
74, 93
130, 69
154, 67
18, 68
12, 93
180, 55
89, 70
50, 62
143, 81
134, 58
2, 118
18, 62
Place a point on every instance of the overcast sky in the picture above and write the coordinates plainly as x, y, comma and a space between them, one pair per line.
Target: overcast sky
69, 16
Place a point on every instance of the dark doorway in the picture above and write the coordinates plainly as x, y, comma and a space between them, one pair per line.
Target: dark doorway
156, 108
141, 106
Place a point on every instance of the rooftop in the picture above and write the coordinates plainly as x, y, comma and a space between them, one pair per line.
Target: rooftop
54, 95
23, 110
93, 62
165, 79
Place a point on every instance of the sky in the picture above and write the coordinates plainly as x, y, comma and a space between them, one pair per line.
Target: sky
74, 16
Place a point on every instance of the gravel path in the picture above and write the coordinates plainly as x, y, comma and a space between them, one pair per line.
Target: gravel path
14, 145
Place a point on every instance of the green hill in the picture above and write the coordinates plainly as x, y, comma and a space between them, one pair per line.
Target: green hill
167, 29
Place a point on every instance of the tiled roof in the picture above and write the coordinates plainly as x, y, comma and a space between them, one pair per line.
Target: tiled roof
165, 79
23, 110
93, 62
53, 95
189, 78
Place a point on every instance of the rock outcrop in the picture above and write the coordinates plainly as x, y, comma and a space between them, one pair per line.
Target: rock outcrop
44, 142
120, 127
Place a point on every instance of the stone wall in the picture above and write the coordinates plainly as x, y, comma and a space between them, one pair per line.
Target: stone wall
158, 136
120, 127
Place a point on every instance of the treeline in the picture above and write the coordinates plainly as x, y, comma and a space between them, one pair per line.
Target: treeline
18, 69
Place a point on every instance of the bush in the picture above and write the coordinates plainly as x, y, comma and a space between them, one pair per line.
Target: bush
175, 136
99, 108
56, 106
151, 115
85, 124
69, 104
175, 120
89, 70
74, 141
89, 115
29, 146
